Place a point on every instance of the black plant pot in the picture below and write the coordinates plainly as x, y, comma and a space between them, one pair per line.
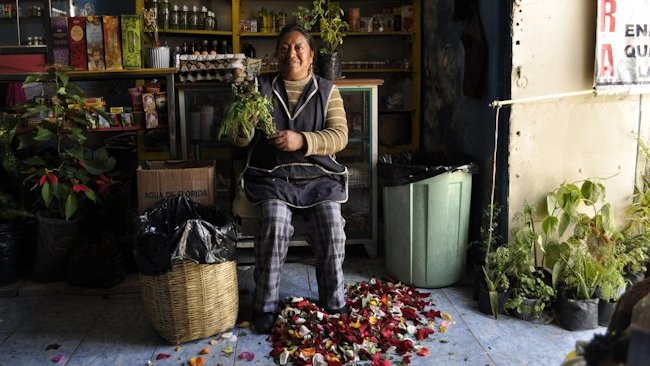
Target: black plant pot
527, 314
605, 311
56, 239
484, 301
8, 253
577, 314
329, 66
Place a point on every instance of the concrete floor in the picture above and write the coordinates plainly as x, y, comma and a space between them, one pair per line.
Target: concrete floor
108, 326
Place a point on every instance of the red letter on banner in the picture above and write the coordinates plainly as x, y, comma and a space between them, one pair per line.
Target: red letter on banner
606, 61
607, 14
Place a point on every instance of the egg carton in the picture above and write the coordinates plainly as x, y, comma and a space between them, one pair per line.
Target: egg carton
226, 68
219, 75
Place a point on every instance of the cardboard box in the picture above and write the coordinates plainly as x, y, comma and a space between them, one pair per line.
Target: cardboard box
95, 43
77, 32
112, 42
60, 44
158, 180
131, 38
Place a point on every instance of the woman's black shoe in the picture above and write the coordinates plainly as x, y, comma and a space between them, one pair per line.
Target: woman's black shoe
263, 322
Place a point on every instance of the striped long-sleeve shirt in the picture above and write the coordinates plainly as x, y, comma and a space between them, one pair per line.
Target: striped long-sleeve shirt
334, 137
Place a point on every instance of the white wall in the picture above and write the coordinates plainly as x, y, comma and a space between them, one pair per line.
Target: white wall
572, 138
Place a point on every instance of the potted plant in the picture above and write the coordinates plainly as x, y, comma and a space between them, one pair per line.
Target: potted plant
531, 295
575, 277
636, 235
66, 175
611, 284
493, 295
158, 56
329, 16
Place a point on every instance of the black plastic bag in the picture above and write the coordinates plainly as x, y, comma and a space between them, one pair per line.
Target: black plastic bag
97, 263
178, 228
405, 168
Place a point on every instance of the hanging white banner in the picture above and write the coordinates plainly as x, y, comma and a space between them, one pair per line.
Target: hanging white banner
622, 46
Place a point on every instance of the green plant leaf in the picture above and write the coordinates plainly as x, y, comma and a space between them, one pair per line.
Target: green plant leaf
46, 193
70, 206
25, 141
550, 225
43, 134
494, 303
34, 78
64, 78
556, 273
78, 135
91, 195
587, 191
35, 161
551, 203
565, 220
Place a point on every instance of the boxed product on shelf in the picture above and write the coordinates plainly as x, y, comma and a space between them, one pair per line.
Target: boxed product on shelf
112, 42
158, 180
407, 18
131, 47
60, 44
95, 43
77, 33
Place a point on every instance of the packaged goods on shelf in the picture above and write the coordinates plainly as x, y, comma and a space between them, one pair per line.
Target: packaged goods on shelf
60, 47
131, 36
112, 42
95, 43
77, 33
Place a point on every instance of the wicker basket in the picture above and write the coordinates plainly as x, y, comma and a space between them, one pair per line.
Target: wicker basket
191, 301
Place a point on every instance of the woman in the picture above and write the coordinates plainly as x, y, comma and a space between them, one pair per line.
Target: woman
294, 172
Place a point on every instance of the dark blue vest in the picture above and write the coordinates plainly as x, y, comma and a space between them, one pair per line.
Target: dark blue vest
298, 180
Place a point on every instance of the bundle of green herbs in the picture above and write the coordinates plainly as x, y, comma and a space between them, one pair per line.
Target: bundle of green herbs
249, 110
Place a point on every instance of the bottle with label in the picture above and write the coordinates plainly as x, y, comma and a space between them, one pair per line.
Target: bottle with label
203, 18
182, 18
261, 20
273, 22
164, 15
174, 17
282, 19
194, 18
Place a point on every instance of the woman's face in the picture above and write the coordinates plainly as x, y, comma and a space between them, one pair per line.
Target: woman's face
294, 56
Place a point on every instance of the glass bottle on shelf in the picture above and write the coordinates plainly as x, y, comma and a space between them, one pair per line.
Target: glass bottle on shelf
174, 18
194, 18
282, 19
154, 6
182, 18
163, 15
261, 20
273, 21
203, 18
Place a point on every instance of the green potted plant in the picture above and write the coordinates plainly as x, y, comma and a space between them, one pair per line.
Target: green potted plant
636, 235
329, 17
611, 283
493, 295
67, 176
529, 297
576, 277
529, 294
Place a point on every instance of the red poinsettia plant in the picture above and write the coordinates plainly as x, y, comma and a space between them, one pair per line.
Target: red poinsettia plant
66, 174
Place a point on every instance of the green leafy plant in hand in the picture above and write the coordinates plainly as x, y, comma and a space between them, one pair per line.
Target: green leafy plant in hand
66, 174
249, 110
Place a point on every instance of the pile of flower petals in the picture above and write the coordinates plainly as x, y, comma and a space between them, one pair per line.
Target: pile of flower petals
384, 318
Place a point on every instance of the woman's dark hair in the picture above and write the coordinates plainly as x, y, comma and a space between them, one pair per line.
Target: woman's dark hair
293, 27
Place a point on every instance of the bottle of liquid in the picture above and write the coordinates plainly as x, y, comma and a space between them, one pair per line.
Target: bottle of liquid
282, 19
182, 18
638, 353
194, 18
174, 17
163, 15
203, 18
261, 20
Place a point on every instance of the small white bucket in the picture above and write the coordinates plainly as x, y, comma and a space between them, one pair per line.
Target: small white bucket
159, 57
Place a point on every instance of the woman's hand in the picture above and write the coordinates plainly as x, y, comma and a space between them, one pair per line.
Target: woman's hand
288, 140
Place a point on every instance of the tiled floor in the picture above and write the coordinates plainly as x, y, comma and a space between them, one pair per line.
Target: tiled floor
108, 327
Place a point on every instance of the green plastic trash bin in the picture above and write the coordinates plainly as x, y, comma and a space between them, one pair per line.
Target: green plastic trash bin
426, 224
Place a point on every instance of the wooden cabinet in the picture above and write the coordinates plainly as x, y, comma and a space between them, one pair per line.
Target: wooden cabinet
390, 55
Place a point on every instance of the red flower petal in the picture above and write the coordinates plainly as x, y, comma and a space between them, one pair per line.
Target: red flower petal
58, 358
248, 356
423, 351
423, 333
162, 356
53, 178
406, 359
42, 180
